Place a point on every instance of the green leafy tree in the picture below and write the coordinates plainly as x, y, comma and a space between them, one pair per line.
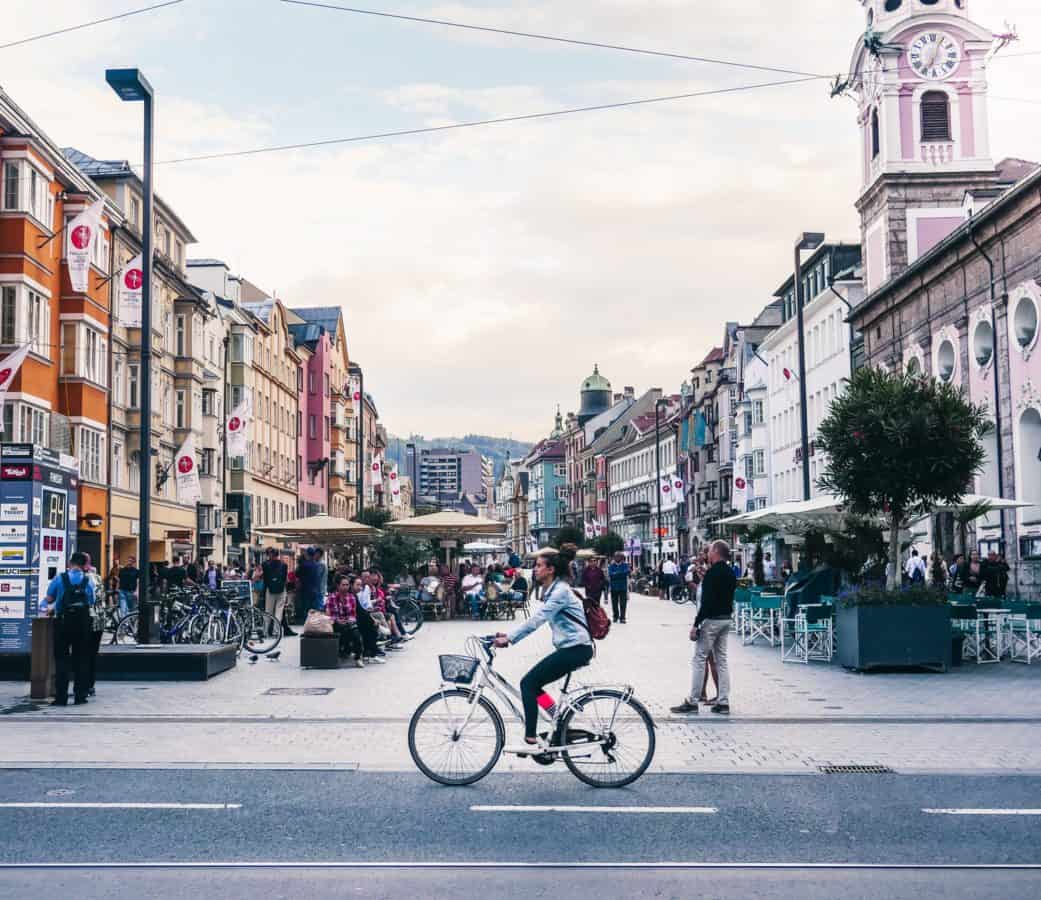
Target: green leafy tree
568, 534
608, 544
898, 444
395, 555
373, 516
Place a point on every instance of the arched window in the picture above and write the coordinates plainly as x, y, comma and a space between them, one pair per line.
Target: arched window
874, 134
936, 116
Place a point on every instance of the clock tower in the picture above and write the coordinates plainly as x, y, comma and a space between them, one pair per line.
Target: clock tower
919, 75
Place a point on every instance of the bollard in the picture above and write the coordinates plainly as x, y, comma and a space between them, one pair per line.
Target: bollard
41, 666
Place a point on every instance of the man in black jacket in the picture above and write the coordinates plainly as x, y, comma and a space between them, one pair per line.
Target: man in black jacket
276, 574
711, 628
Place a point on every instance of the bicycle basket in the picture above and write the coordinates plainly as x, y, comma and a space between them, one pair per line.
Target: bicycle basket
457, 669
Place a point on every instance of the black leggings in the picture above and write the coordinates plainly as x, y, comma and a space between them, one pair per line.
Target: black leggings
555, 666
619, 601
369, 633
350, 639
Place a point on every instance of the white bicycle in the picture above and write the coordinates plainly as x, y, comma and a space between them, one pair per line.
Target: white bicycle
604, 735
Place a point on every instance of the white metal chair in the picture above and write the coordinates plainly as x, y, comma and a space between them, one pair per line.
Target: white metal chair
1023, 632
809, 636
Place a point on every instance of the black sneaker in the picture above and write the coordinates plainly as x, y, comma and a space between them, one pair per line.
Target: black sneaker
64, 702
722, 708
685, 707
79, 701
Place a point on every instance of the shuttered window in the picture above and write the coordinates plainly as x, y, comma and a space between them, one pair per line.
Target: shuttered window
936, 116
875, 144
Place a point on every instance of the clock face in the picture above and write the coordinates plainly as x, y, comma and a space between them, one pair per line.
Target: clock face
934, 55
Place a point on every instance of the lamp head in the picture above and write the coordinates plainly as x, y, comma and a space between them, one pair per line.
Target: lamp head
129, 84
810, 240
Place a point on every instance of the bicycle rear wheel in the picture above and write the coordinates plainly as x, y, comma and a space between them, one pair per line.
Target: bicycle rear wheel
444, 749
411, 615
261, 632
620, 732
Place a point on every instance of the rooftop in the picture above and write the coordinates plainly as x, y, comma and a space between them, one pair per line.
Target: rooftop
327, 317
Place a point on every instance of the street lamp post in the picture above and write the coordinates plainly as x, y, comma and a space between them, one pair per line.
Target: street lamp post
657, 461
132, 86
410, 452
809, 240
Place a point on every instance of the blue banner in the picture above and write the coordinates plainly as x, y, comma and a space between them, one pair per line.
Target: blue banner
700, 429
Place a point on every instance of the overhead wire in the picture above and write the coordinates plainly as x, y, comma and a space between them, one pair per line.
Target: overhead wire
434, 129
549, 37
125, 15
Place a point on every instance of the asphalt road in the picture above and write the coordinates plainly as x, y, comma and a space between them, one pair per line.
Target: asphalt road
337, 816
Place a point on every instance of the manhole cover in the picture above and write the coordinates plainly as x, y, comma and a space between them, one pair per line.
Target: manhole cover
856, 770
297, 692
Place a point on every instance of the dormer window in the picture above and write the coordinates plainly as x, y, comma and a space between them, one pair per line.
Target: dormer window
875, 143
936, 116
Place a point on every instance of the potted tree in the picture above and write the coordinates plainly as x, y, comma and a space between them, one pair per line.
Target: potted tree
898, 444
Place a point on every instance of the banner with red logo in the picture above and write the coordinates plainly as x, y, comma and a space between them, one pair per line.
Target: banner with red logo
186, 470
739, 495
354, 388
395, 485
236, 426
9, 367
668, 500
376, 471
129, 291
80, 235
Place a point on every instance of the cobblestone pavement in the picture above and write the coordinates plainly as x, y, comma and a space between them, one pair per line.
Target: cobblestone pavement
786, 718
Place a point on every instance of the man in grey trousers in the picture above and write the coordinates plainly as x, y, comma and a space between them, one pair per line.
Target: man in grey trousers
711, 629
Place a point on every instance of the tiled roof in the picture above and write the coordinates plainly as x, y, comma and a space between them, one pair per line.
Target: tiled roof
96, 168
306, 334
261, 310
715, 355
1013, 170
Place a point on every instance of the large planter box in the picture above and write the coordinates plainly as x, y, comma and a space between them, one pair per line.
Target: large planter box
871, 637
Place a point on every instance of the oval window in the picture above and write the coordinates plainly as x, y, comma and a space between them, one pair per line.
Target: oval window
913, 366
945, 359
1024, 322
893, 5
983, 343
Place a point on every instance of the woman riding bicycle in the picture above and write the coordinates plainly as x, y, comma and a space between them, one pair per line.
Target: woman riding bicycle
571, 638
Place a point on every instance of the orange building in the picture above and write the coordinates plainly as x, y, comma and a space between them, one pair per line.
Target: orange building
60, 397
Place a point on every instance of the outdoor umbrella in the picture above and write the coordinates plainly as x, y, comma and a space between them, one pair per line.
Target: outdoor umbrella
454, 526
322, 528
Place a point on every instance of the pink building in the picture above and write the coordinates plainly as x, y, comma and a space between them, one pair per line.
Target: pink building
314, 418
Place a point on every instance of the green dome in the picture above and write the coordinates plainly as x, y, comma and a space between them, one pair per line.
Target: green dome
596, 382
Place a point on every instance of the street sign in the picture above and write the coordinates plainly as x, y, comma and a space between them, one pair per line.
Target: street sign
230, 519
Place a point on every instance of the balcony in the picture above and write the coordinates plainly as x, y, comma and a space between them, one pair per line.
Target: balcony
637, 510
937, 153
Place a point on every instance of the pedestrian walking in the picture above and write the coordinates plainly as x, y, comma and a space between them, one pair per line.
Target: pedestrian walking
275, 574
593, 581
97, 622
129, 576
711, 629
70, 598
618, 579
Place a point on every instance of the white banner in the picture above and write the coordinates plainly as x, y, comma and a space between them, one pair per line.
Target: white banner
376, 470
677, 490
237, 424
739, 495
80, 235
129, 291
186, 470
395, 485
354, 388
9, 367
665, 486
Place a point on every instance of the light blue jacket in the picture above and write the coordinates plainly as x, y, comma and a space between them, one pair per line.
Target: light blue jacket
566, 617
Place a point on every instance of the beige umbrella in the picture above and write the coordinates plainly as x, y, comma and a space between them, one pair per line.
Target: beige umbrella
586, 553
453, 526
322, 528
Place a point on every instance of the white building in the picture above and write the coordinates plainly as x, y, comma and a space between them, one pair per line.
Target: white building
831, 284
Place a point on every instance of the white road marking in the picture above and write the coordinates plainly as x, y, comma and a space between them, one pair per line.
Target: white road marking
983, 812
120, 806
679, 810
509, 864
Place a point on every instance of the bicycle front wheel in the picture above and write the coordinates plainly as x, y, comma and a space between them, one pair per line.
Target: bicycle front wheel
456, 737
411, 615
620, 735
126, 630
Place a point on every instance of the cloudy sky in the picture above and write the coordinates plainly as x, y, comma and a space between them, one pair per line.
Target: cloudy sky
482, 272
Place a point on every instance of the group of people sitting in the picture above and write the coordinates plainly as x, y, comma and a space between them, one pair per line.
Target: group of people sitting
365, 617
474, 590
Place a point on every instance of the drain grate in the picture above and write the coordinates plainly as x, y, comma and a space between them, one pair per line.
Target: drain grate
856, 770
297, 692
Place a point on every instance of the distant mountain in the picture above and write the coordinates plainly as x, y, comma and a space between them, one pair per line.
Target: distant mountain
493, 447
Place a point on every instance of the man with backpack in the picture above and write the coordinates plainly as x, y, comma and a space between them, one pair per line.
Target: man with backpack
70, 597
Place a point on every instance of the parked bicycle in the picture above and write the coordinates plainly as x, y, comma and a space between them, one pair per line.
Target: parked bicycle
603, 734
409, 610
